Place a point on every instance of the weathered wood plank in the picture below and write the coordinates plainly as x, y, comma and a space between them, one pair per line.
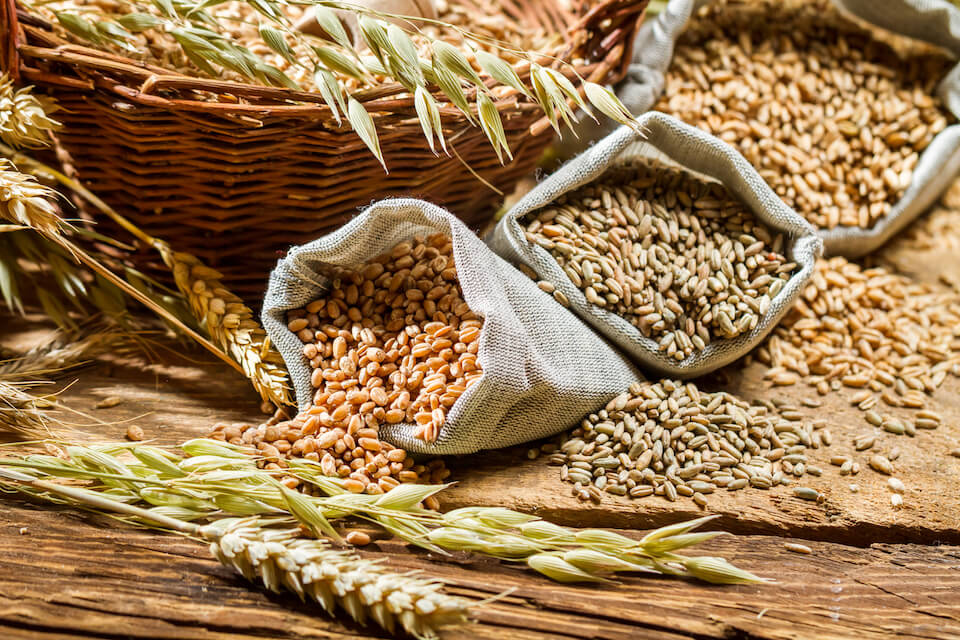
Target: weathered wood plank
78, 575
181, 399
507, 478
71, 576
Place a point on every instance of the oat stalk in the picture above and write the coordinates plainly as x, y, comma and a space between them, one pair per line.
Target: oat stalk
451, 73
283, 560
214, 478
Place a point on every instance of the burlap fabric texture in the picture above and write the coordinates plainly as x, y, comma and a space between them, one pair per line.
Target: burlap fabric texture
543, 369
663, 138
933, 21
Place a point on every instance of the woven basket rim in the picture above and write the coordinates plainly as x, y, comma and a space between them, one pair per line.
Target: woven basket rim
603, 33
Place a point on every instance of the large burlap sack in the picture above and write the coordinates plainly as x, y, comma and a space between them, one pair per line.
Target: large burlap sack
664, 138
933, 21
543, 369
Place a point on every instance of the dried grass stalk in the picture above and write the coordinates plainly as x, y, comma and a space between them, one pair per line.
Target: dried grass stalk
21, 412
65, 351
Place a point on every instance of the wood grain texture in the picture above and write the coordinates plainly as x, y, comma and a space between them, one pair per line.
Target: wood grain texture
78, 576
876, 572
507, 478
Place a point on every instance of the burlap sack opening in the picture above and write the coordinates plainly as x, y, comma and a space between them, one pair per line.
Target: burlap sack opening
936, 22
543, 369
664, 138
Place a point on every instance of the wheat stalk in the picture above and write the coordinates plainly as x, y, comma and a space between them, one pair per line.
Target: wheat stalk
230, 323
216, 478
366, 590
281, 559
24, 122
39, 214
22, 412
24, 119
330, 61
243, 343
26, 202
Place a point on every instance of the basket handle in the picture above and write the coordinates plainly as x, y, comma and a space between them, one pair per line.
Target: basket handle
10, 35
624, 16
605, 42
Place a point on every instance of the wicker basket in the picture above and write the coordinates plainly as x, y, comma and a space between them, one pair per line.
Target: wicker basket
242, 173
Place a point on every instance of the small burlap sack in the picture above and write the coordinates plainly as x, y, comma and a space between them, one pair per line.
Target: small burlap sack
543, 369
665, 138
936, 22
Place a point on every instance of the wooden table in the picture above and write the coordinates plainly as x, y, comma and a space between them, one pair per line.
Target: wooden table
874, 572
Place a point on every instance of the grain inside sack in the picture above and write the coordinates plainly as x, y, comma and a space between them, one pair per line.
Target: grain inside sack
832, 116
675, 255
402, 331
667, 242
391, 341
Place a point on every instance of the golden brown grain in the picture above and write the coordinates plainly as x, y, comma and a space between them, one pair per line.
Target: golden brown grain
832, 118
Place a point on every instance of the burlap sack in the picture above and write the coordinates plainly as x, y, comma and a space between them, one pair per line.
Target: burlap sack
934, 21
668, 139
543, 369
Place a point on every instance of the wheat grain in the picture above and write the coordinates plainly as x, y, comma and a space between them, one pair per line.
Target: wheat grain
872, 331
669, 438
832, 118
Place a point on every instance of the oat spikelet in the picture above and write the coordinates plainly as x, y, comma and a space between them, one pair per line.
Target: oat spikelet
364, 589
26, 202
23, 116
230, 323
